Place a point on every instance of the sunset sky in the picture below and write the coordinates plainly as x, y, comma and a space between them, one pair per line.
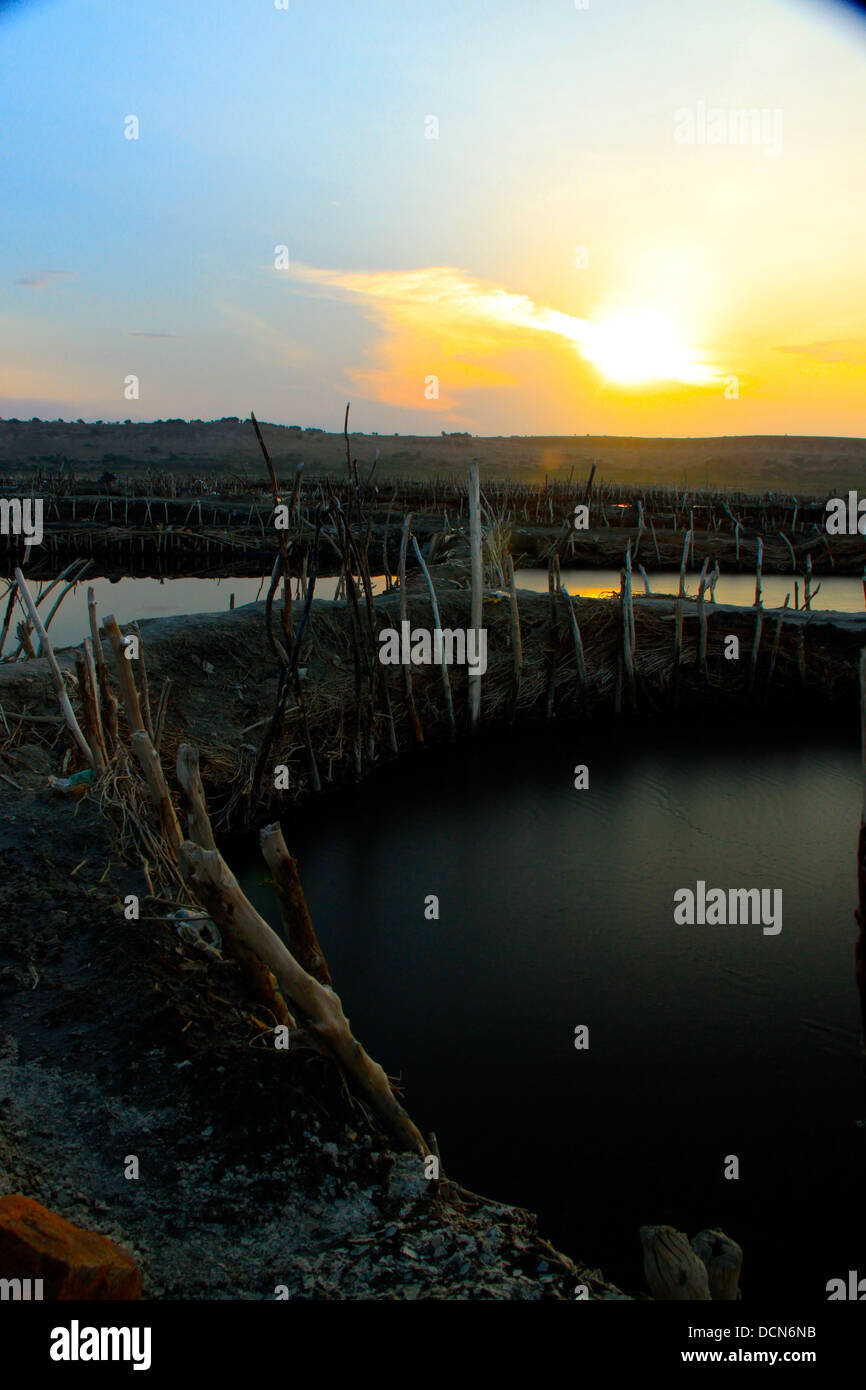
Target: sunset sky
594, 242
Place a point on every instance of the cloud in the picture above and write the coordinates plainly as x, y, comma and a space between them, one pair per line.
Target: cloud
848, 352
155, 335
38, 279
437, 320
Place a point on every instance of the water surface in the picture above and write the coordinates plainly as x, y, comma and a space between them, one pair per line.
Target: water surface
556, 909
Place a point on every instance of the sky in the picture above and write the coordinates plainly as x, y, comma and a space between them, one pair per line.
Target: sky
500, 216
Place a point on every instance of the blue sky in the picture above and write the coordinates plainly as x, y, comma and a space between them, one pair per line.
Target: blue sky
306, 127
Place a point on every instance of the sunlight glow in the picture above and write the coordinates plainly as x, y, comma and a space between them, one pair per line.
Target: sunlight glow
632, 348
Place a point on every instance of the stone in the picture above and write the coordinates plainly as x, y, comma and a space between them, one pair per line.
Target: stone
72, 1263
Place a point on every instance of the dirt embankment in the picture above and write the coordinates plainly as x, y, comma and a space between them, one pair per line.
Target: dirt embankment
258, 1175
118, 1039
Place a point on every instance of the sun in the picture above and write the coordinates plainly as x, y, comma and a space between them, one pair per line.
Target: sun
635, 348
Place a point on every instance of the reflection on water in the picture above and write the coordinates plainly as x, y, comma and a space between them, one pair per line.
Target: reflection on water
842, 594
130, 599
556, 909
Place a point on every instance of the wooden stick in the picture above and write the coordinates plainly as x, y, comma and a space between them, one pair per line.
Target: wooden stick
89, 713
625, 629
158, 787
303, 942
674, 1273
56, 676
198, 823
71, 585
578, 645
723, 1261
216, 887
143, 681
259, 978
516, 640
552, 640
108, 702
161, 713
24, 644
702, 621
128, 692
437, 624
404, 617
477, 581
759, 622
94, 689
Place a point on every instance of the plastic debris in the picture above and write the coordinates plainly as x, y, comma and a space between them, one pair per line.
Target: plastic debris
78, 782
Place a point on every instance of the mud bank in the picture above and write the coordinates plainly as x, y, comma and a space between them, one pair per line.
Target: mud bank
257, 1169
224, 678
257, 1172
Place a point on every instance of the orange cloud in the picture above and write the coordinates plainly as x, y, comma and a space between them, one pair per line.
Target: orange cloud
439, 322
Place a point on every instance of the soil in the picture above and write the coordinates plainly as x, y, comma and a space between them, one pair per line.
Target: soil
259, 1176
201, 447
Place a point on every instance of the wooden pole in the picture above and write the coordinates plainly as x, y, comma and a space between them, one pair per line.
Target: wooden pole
158, 787
437, 625
128, 692
723, 1261
674, 1273
303, 942
56, 675
626, 619
198, 823
702, 621
145, 684
108, 702
759, 621
477, 581
552, 640
404, 618
216, 887
90, 695
578, 646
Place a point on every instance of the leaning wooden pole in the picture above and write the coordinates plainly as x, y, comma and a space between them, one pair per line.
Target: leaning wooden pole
404, 618
259, 978
56, 674
477, 580
216, 887
107, 702
90, 707
303, 942
437, 626
123, 665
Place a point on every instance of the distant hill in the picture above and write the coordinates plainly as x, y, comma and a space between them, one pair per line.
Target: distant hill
757, 462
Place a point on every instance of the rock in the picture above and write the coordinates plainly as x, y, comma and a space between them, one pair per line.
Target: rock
406, 1183
73, 1263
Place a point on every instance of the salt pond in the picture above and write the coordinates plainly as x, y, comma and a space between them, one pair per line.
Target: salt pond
557, 910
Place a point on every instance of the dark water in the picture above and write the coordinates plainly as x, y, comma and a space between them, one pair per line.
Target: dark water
556, 909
